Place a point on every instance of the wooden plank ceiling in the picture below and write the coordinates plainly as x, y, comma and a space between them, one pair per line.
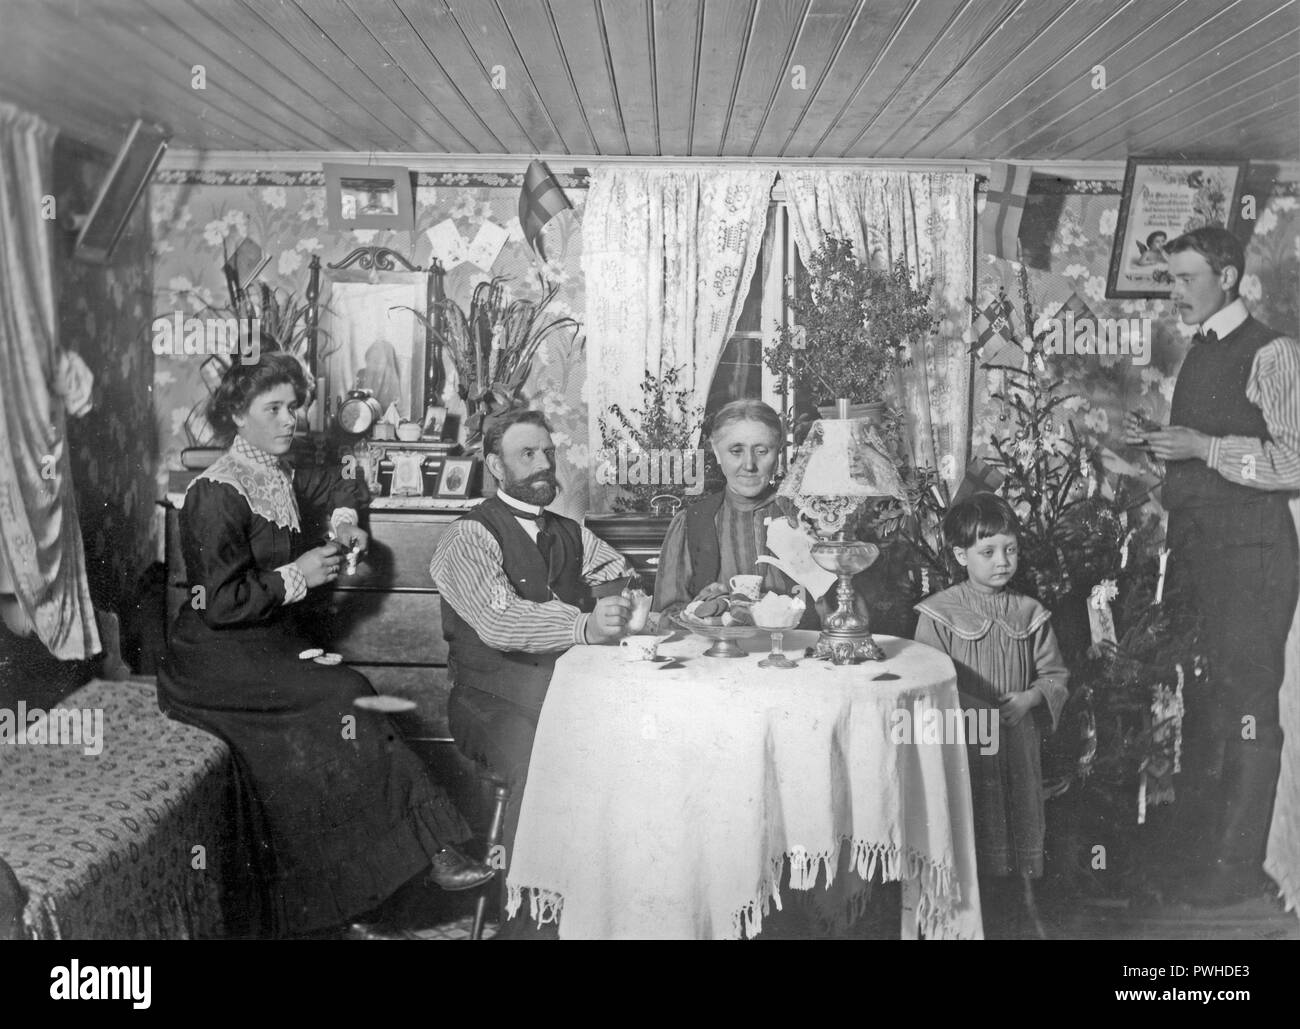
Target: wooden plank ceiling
899, 79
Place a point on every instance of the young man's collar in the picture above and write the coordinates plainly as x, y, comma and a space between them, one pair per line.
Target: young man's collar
531, 510
1226, 319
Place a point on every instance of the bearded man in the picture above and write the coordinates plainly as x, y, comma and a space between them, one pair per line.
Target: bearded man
519, 587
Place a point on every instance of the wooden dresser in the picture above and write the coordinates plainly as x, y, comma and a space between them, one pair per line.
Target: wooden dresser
386, 620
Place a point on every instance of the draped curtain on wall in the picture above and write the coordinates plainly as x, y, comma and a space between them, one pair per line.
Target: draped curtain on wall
41, 558
927, 219
666, 253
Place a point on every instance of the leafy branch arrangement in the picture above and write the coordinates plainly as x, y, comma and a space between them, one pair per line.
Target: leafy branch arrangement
493, 344
852, 324
666, 420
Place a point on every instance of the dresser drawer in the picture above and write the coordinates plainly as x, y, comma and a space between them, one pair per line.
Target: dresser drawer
371, 626
429, 688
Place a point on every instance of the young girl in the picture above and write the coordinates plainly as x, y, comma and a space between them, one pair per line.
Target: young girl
1007, 660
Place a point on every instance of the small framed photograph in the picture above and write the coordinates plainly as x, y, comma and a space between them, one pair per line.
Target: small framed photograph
457, 477
434, 420
369, 196
1163, 198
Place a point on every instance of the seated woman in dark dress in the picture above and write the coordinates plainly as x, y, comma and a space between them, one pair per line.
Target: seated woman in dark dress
723, 534
334, 810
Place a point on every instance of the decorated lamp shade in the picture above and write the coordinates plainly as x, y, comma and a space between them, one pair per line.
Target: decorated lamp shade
840, 465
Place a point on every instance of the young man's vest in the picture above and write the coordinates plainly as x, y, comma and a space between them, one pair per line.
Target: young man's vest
516, 676
1210, 396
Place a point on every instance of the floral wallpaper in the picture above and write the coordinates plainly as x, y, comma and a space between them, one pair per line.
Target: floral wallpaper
1067, 234
194, 214
103, 317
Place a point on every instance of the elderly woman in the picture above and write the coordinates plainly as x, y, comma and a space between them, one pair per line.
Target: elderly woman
332, 810
723, 534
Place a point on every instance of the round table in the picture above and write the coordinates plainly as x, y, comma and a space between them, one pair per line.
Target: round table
663, 798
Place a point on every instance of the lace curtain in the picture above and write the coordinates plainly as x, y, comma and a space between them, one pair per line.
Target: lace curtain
41, 558
665, 255
926, 219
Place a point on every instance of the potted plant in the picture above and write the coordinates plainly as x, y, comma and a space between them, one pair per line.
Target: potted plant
665, 426
492, 346
851, 326
637, 448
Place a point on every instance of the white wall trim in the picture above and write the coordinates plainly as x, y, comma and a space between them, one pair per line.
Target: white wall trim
305, 160
300, 160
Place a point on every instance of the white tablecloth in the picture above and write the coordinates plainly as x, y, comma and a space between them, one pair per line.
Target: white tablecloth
662, 802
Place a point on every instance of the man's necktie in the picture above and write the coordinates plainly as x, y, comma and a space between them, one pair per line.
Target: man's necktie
546, 542
1206, 337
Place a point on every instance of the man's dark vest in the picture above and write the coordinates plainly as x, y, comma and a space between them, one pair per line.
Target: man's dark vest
516, 676
1210, 396
706, 556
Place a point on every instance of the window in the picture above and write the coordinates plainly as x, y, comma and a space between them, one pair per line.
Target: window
741, 373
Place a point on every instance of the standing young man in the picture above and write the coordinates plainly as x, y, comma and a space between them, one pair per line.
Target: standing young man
1232, 453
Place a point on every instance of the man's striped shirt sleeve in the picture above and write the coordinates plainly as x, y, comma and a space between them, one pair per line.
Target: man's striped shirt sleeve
1273, 387
467, 568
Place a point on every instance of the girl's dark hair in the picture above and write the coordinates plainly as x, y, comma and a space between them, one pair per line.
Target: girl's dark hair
979, 515
244, 383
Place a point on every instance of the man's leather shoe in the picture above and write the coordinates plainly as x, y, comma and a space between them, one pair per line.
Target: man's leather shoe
452, 870
368, 931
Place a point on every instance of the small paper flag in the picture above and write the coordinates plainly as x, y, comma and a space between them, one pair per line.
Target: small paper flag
999, 225
540, 200
980, 477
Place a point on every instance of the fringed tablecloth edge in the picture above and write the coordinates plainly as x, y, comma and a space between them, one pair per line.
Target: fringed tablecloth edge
543, 905
1288, 887
939, 891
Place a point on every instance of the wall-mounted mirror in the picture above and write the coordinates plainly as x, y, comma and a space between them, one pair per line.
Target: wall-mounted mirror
370, 337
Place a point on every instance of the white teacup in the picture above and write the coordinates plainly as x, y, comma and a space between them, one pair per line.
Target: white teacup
640, 648
750, 585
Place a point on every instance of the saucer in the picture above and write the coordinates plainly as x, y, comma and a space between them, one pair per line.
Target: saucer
385, 704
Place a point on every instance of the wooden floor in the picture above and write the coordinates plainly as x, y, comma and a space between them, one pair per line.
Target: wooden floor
1261, 919
1253, 920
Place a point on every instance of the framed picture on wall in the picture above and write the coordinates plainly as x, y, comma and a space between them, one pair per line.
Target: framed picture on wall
457, 477
1163, 198
369, 196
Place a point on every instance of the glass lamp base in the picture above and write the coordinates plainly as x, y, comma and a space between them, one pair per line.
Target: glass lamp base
848, 651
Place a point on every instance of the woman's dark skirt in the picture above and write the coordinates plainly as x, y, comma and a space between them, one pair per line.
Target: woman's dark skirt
331, 811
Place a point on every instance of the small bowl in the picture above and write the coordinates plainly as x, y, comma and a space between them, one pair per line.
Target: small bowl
409, 432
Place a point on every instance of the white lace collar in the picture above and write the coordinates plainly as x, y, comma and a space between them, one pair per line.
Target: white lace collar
260, 478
